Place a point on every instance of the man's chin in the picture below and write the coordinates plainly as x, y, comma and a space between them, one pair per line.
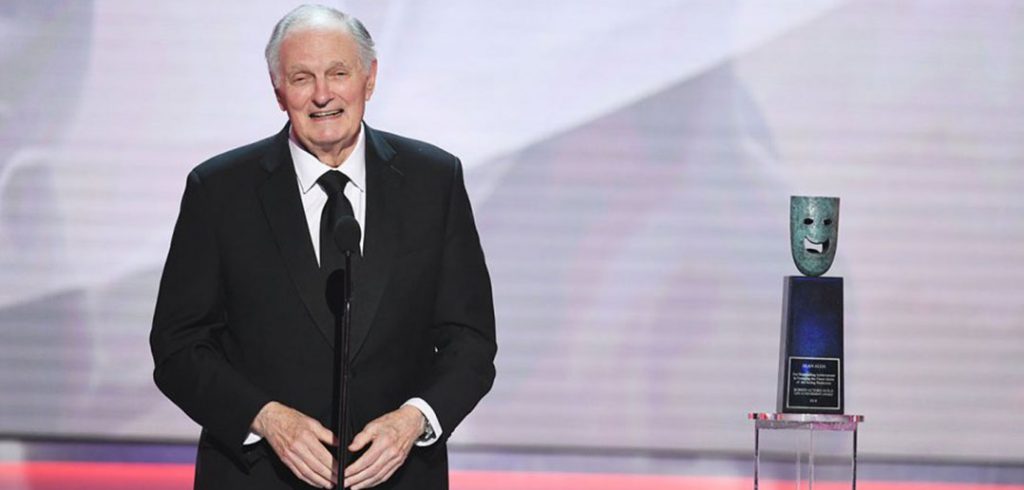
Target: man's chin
326, 144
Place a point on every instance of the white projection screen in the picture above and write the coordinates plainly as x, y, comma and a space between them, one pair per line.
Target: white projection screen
630, 166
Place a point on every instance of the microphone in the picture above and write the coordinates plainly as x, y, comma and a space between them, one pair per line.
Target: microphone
346, 235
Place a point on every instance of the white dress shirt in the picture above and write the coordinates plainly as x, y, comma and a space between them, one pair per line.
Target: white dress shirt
308, 170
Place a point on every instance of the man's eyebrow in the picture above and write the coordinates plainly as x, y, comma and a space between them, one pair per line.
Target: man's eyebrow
296, 68
338, 64
299, 67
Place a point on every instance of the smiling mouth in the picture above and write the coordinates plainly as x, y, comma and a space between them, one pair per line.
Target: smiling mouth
814, 247
325, 114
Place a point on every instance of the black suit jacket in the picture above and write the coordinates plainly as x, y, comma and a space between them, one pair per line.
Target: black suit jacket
241, 318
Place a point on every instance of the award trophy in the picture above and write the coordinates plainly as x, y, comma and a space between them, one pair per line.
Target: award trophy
811, 351
810, 396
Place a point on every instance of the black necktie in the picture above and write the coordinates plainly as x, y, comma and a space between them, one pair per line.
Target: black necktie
333, 183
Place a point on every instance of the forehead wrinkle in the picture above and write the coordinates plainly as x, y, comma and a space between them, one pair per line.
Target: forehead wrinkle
301, 67
304, 51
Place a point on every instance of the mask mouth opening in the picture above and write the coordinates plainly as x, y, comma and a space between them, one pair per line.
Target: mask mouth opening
816, 248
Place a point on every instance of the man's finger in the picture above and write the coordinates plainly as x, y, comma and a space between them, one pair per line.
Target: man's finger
368, 465
322, 454
384, 462
317, 459
301, 470
306, 473
366, 474
368, 477
378, 473
390, 472
365, 461
309, 455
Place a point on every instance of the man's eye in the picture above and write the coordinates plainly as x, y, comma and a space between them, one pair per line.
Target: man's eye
808, 221
828, 222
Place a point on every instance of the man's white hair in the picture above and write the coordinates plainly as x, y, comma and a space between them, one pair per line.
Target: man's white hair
317, 16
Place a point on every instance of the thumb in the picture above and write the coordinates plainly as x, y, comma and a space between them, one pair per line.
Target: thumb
360, 441
325, 435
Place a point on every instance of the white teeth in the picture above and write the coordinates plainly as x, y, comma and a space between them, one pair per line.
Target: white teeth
324, 114
813, 247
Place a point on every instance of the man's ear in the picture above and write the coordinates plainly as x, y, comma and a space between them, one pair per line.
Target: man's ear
371, 80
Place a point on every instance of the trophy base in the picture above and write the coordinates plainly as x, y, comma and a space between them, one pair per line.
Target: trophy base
811, 348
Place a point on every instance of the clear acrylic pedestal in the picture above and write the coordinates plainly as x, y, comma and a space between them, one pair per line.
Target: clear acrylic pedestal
805, 422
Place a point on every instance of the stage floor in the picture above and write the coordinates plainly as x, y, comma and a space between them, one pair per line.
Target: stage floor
42, 475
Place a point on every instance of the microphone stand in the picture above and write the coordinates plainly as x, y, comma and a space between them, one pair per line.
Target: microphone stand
346, 237
341, 368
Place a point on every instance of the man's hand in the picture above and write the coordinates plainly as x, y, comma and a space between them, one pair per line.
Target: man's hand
299, 441
390, 436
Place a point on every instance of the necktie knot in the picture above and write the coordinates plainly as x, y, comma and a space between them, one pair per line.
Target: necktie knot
332, 182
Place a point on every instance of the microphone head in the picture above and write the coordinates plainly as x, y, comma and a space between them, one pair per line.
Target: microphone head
347, 234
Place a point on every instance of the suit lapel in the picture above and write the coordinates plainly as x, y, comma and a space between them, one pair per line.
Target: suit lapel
382, 235
279, 197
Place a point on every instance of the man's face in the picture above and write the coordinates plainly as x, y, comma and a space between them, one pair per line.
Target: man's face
324, 88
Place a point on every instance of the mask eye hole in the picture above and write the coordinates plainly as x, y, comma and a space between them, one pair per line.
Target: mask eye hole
828, 222
808, 221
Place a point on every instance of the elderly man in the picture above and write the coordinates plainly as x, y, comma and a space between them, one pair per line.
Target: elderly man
243, 333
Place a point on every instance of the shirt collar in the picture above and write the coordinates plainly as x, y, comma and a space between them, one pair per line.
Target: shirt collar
308, 168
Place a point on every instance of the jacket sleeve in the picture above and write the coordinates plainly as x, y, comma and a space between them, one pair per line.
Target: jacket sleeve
190, 365
463, 323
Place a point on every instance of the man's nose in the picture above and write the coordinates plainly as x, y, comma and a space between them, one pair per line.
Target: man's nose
321, 96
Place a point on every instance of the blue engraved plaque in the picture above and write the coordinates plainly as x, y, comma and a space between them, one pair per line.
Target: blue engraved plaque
811, 351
